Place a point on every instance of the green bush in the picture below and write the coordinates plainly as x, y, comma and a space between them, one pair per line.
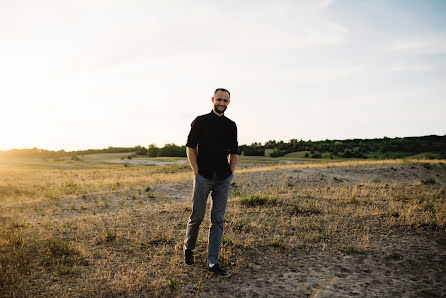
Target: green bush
172, 150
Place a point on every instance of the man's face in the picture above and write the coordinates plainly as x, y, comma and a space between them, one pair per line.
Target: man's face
221, 101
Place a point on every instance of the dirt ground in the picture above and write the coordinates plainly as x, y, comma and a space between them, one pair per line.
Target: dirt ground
400, 257
418, 270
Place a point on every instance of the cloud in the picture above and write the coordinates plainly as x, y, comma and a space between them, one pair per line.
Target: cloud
409, 67
325, 3
420, 45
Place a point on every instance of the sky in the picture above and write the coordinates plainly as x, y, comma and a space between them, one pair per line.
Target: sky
93, 74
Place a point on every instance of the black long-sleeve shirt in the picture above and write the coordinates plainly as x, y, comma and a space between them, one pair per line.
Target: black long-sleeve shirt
215, 137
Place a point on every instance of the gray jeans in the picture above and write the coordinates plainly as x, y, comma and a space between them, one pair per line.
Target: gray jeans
219, 190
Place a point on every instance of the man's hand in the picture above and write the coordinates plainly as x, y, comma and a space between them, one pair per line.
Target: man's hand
192, 157
233, 162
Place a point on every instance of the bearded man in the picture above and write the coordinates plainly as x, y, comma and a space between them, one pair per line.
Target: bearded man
212, 138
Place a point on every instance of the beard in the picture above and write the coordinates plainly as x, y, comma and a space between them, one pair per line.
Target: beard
218, 110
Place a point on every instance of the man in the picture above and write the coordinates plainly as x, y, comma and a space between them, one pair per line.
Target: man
216, 138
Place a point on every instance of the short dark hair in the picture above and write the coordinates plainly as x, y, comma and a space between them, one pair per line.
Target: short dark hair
222, 89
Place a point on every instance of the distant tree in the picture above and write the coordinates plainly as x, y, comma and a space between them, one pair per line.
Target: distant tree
153, 150
173, 150
256, 149
141, 150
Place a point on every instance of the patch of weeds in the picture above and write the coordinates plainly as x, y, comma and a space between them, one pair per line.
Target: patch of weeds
393, 213
187, 209
257, 200
59, 248
351, 249
427, 166
17, 224
313, 226
108, 235
354, 200
16, 238
64, 269
429, 206
172, 283
116, 185
399, 197
159, 239
433, 225
241, 224
147, 189
228, 241
396, 255
151, 196
310, 209
428, 181
61, 254
70, 188
134, 197
235, 192
278, 241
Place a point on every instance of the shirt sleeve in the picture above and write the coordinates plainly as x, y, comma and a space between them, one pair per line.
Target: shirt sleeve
194, 134
233, 149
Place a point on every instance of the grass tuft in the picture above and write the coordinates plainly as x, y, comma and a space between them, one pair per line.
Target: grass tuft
308, 210
351, 249
278, 241
257, 200
429, 181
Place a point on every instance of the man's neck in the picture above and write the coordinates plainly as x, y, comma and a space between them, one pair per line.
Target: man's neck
216, 113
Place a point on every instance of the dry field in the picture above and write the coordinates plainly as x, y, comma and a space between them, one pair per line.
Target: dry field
360, 228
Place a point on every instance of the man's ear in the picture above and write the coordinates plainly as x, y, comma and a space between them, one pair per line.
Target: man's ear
212, 99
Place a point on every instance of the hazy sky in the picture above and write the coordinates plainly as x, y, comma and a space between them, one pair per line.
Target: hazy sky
93, 74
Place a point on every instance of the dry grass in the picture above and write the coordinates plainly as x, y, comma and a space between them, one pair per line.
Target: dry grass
94, 231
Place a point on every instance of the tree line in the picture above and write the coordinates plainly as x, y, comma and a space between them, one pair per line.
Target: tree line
433, 145
354, 148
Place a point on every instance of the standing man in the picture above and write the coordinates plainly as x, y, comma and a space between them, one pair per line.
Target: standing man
215, 137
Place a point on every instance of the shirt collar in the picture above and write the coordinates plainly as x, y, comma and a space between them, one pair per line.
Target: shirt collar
213, 115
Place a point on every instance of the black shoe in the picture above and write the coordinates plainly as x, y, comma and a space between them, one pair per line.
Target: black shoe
188, 256
218, 270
